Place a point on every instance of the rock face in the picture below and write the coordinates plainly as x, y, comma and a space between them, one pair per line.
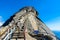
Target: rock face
33, 28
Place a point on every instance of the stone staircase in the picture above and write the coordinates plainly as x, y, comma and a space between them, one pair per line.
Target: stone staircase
17, 35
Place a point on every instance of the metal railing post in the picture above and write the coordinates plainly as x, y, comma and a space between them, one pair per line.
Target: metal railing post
9, 33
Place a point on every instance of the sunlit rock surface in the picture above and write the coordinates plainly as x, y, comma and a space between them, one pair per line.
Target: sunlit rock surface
25, 24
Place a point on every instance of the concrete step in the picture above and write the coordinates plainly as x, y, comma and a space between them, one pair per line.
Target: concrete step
18, 36
16, 39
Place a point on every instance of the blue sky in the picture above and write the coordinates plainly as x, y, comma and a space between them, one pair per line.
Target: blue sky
49, 10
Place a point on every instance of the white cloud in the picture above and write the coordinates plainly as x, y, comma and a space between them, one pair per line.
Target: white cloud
1, 22
54, 24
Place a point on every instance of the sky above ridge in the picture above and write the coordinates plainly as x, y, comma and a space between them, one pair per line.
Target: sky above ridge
49, 10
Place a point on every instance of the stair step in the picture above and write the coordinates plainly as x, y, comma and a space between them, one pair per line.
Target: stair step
17, 39
18, 35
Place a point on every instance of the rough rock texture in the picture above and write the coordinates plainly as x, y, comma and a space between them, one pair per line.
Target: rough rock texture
26, 20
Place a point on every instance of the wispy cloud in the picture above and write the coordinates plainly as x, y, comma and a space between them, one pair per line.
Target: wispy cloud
1, 22
54, 24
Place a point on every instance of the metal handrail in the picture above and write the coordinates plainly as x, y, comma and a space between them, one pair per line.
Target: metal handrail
9, 33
